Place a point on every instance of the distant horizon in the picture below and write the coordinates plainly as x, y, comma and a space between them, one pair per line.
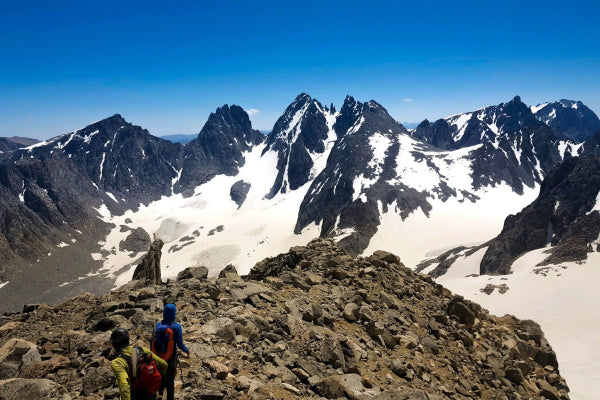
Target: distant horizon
166, 67
406, 124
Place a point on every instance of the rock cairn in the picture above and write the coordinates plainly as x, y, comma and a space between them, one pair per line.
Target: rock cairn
311, 323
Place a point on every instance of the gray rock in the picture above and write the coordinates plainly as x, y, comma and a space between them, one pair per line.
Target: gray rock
221, 328
243, 290
200, 272
108, 323
96, 379
430, 344
138, 240
9, 369
32, 389
149, 268
462, 312
351, 312
229, 269
349, 385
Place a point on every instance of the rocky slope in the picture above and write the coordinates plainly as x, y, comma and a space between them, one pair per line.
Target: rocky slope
568, 118
314, 322
564, 215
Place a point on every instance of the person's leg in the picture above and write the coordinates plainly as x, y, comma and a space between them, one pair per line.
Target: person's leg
169, 377
170, 381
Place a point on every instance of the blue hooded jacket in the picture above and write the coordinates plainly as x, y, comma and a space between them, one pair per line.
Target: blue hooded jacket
169, 321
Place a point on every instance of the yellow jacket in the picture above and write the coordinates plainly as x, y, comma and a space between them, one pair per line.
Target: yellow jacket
120, 370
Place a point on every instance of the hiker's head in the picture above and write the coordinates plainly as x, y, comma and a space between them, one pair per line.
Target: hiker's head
169, 313
119, 338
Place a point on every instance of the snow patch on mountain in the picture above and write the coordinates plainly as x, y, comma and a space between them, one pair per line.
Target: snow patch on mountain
535, 109
209, 228
459, 122
463, 222
561, 298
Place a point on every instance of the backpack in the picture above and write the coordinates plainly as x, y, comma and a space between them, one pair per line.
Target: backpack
144, 372
162, 342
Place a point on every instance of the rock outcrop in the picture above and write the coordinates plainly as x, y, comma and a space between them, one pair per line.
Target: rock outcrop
149, 268
314, 322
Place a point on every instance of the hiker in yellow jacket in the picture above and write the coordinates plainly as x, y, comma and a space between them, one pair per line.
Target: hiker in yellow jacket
122, 367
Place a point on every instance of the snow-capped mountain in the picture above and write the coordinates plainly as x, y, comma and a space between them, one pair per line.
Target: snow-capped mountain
571, 119
232, 195
300, 135
218, 149
547, 256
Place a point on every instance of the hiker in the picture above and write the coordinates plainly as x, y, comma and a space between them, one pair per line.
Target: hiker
168, 337
135, 368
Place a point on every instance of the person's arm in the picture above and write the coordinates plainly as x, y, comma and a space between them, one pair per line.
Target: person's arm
178, 336
119, 369
162, 364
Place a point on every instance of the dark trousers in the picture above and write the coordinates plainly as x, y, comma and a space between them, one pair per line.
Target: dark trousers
168, 378
141, 395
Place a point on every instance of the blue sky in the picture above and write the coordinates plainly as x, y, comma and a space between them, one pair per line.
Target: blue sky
65, 64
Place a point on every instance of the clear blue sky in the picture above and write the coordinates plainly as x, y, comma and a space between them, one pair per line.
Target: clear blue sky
65, 64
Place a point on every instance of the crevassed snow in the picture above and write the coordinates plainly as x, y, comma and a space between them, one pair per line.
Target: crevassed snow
247, 235
563, 299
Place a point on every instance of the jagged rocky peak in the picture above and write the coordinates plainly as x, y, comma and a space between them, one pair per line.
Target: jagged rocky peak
219, 148
299, 138
568, 118
232, 121
353, 115
304, 119
312, 323
438, 134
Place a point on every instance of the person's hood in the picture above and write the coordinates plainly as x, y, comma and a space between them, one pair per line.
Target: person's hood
169, 314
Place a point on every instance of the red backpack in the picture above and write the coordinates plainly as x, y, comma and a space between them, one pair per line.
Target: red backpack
144, 372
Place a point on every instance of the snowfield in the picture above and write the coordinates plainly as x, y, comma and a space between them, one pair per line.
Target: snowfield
209, 229
563, 299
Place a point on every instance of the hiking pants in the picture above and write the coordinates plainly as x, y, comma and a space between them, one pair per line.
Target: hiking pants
141, 395
168, 379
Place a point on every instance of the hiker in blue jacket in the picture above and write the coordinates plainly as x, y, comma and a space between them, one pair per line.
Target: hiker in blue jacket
168, 321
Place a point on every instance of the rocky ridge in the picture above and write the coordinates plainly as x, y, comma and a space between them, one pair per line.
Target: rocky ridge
314, 322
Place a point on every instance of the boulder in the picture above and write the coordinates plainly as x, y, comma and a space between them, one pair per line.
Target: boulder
348, 385
19, 352
351, 312
97, 378
462, 312
222, 329
200, 272
32, 389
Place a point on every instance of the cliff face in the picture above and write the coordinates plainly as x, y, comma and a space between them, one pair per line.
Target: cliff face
314, 322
